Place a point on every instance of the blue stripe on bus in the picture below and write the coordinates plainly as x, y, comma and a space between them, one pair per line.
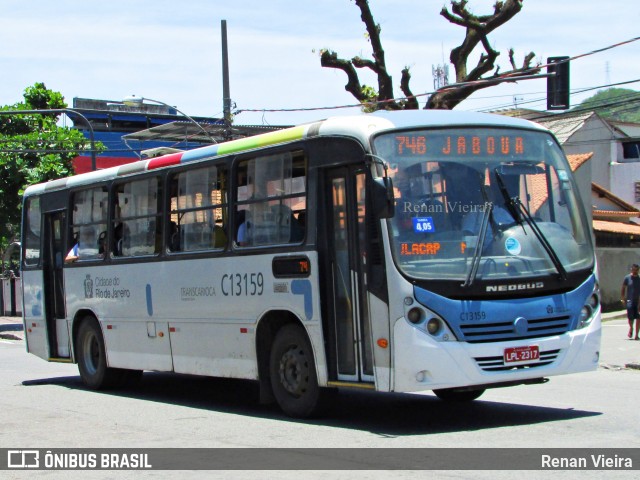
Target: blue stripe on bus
149, 301
199, 153
303, 287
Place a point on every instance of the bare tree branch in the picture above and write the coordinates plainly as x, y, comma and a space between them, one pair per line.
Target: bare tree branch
411, 102
330, 59
511, 60
385, 84
477, 27
377, 64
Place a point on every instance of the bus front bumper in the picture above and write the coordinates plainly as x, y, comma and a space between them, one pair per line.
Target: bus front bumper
422, 363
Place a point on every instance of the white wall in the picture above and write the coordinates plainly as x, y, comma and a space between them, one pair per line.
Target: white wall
595, 136
624, 176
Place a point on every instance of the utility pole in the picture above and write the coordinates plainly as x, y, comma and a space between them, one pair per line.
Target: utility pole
226, 95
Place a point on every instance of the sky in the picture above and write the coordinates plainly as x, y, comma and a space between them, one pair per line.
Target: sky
171, 51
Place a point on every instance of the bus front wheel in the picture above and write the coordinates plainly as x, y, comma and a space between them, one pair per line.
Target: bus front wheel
92, 358
453, 395
293, 372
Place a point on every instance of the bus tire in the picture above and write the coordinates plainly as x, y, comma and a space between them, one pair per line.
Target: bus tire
453, 395
92, 358
293, 372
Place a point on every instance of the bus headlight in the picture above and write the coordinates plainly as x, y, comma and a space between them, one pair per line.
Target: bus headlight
415, 315
590, 308
585, 315
428, 322
433, 326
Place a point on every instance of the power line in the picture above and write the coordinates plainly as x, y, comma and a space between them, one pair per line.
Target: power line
500, 78
543, 99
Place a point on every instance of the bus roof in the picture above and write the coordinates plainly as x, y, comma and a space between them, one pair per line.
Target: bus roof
360, 127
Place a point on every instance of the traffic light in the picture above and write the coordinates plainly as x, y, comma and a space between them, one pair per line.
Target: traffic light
558, 84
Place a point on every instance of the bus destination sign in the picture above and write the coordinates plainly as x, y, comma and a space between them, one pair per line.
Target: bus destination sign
459, 145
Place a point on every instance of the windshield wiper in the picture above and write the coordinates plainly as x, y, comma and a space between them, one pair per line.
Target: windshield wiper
509, 201
518, 210
477, 254
543, 240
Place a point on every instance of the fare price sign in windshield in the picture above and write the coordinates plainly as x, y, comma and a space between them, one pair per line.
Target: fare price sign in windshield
476, 144
423, 225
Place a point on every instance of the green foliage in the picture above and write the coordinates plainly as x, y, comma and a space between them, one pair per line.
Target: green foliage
620, 104
33, 149
371, 98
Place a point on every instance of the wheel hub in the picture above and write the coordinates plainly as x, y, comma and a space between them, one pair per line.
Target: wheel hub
294, 371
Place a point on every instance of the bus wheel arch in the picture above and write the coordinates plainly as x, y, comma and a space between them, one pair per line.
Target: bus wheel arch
91, 356
268, 327
80, 316
282, 339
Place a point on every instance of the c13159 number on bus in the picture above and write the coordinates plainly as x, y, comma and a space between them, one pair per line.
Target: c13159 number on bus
239, 284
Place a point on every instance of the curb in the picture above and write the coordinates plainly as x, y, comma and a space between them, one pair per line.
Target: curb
9, 336
6, 330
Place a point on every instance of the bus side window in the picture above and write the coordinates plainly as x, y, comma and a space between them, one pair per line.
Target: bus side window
271, 200
198, 210
140, 204
88, 225
31, 236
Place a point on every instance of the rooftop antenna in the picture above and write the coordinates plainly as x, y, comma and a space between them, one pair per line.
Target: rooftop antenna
440, 73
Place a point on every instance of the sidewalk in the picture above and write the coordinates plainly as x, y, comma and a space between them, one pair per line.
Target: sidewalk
617, 350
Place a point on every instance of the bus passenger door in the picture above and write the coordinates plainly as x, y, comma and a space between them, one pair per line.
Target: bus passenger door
348, 322
54, 301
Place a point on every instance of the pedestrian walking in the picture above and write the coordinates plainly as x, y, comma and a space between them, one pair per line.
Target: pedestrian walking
630, 296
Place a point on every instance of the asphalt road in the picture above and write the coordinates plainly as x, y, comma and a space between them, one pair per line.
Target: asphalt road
45, 405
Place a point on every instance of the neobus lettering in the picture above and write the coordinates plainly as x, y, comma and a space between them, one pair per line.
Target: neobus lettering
514, 287
237, 284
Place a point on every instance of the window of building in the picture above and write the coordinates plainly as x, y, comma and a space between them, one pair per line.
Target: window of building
198, 217
637, 191
271, 200
631, 151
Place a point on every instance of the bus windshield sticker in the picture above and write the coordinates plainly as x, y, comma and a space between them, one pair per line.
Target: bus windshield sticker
512, 245
423, 225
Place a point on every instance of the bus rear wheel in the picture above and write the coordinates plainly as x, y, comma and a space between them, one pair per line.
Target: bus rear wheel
92, 358
293, 372
453, 395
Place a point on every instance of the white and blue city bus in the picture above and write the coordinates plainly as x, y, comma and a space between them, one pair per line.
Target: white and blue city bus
394, 251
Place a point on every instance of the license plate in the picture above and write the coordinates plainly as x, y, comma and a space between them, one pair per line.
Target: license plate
521, 354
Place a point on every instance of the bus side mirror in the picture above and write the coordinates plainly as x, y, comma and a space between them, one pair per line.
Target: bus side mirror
383, 200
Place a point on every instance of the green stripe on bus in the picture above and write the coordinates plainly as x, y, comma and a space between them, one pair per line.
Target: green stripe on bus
271, 138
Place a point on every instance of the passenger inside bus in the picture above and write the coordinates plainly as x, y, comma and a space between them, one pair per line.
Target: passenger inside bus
86, 245
242, 236
174, 237
117, 239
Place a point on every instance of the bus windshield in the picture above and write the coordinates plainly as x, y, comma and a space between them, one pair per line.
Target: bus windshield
475, 204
